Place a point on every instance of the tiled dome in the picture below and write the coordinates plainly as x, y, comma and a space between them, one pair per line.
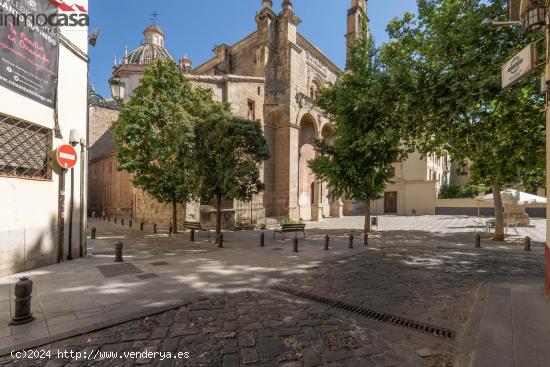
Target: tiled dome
151, 49
147, 53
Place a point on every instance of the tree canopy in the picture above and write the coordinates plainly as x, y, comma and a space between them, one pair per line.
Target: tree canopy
229, 152
368, 137
153, 135
447, 64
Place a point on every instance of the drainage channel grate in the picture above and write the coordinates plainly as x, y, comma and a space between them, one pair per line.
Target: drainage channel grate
368, 313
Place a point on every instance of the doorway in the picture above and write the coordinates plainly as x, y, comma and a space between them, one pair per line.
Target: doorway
390, 202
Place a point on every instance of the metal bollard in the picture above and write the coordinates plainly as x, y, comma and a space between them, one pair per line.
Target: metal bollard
262, 239
192, 235
351, 241
141, 226
478, 240
122, 222
527, 242
130, 223
295, 244
109, 219
154, 228
170, 231
327, 239
93, 233
118, 252
220, 241
115, 220
366, 239
23, 295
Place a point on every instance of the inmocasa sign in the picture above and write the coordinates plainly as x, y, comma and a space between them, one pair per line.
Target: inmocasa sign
519, 66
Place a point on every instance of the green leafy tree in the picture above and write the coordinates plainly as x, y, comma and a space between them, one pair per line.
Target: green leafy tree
154, 134
358, 165
229, 152
447, 64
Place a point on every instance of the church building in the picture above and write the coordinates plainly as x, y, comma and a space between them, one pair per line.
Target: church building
271, 75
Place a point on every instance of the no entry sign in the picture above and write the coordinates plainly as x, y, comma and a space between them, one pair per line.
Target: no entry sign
66, 156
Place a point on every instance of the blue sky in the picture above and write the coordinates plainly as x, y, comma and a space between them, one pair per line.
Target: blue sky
192, 27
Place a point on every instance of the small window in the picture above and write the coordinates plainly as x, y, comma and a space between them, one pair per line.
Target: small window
259, 91
392, 172
251, 113
24, 149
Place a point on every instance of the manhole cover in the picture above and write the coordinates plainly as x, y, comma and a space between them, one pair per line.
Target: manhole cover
116, 270
277, 249
147, 276
367, 313
160, 263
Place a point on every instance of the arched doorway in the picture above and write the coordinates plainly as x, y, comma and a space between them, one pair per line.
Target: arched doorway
306, 177
331, 206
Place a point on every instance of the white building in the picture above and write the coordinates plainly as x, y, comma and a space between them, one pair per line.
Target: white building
32, 124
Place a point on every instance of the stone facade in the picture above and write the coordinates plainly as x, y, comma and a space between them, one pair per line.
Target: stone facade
272, 75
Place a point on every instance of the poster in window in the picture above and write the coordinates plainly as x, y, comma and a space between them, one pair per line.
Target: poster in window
29, 49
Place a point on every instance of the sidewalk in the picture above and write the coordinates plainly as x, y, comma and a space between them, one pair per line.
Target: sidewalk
159, 273
514, 329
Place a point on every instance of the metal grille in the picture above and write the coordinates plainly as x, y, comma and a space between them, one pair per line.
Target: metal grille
24, 149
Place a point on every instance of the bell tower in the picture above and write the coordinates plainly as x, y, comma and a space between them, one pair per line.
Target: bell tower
356, 15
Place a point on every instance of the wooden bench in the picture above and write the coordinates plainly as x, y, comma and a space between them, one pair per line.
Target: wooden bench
300, 227
197, 227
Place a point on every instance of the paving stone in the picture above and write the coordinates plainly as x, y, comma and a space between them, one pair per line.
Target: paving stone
159, 332
336, 356
230, 346
311, 358
270, 348
246, 339
231, 360
249, 355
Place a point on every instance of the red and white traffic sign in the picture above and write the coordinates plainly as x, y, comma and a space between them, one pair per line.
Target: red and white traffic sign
66, 156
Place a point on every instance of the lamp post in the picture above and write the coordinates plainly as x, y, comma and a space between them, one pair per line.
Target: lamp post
74, 140
83, 160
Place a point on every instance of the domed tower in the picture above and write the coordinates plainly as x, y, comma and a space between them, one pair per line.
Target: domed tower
151, 49
131, 70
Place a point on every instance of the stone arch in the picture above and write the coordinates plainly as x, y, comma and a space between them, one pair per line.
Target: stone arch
307, 185
328, 134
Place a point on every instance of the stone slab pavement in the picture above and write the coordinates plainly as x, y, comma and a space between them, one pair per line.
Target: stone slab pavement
75, 297
514, 329
159, 272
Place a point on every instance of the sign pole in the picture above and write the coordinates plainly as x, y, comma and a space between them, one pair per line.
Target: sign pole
71, 211
61, 216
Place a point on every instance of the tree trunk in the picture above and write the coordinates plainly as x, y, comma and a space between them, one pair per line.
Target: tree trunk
367, 216
218, 217
184, 216
499, 217
174, 216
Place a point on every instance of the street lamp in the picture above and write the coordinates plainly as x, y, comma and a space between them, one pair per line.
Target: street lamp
117, 88
535, 16
74, 140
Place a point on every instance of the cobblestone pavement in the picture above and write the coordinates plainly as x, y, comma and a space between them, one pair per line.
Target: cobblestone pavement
262, 327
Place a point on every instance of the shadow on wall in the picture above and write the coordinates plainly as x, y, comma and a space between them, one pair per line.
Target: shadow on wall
28, 248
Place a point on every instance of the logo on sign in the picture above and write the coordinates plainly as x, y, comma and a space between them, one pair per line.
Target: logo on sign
516, 63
